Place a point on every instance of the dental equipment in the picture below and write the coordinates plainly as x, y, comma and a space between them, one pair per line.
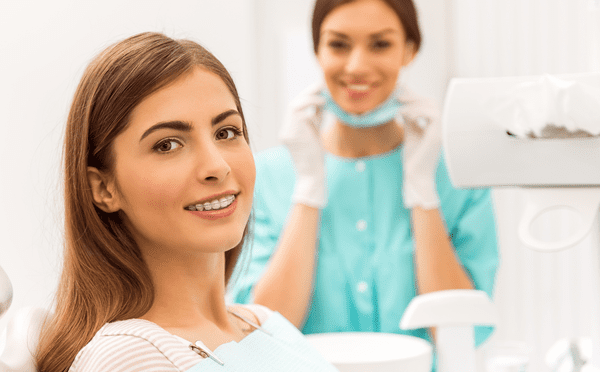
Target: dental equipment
22, 335
373, 351
6, 292
22, 332
539, 133
559, 172
453, 313
569, 355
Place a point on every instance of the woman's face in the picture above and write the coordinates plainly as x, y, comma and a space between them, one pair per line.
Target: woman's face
361, 50
184, 173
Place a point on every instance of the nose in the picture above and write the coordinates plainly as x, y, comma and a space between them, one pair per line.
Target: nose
213, 167
357, 62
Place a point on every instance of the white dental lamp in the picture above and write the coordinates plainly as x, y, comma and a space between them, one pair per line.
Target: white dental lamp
556, 164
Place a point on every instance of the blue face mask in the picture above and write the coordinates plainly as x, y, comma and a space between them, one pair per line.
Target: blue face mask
381, 114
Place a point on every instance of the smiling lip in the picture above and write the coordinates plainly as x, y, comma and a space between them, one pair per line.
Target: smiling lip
216, 214
357, 91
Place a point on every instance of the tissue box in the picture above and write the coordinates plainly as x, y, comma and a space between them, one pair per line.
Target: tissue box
481, 152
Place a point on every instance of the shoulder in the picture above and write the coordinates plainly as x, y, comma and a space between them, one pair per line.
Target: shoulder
254, 312
129, 345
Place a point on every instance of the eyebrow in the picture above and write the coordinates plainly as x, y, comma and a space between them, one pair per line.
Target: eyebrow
185, 126
374, 35
224, 115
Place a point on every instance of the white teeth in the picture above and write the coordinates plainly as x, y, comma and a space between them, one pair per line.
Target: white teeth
224, 202
361, 87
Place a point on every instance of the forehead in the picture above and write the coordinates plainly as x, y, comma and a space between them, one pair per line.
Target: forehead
362, 15
197, 95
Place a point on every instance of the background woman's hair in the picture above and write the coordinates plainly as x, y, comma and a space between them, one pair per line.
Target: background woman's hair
405, 9
104, 277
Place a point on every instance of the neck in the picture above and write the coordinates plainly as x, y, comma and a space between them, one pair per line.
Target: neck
349, 142
189, 290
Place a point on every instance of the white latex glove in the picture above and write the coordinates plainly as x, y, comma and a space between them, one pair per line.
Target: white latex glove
300, 134
422, 144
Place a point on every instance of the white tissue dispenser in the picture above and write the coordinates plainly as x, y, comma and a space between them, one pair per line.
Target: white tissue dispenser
540, 133
481, 153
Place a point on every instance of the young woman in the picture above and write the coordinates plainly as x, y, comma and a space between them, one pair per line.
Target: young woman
355, 218
159, 179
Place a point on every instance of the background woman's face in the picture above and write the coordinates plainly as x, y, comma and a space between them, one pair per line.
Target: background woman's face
184, 147
361, 51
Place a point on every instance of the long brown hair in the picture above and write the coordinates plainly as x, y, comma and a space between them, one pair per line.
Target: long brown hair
405, 9
104, 276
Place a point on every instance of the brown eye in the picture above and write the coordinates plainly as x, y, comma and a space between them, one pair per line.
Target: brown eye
338, 45
228, 133
167, 145
381, 44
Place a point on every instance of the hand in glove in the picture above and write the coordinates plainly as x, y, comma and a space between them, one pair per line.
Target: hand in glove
300, 134
422, 144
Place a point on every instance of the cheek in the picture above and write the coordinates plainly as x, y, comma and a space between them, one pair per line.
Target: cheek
242, 163
393, 65
249, 170
150, 187
330, 64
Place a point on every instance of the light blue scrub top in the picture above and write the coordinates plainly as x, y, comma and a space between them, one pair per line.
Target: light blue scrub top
365, 273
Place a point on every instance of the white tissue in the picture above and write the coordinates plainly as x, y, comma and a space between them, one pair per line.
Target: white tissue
548, 107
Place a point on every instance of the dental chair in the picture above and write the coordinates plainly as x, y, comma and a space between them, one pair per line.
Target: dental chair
22, 332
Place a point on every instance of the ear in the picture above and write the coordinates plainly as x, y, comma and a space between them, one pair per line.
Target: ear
103, 191
410, 51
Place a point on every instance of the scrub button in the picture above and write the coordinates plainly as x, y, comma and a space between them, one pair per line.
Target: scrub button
361, 225
360, 166
362, 287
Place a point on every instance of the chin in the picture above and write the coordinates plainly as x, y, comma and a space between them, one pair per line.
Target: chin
226, 243
360, 107
355, 109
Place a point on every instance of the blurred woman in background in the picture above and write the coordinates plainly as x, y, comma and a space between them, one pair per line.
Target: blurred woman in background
356, 218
